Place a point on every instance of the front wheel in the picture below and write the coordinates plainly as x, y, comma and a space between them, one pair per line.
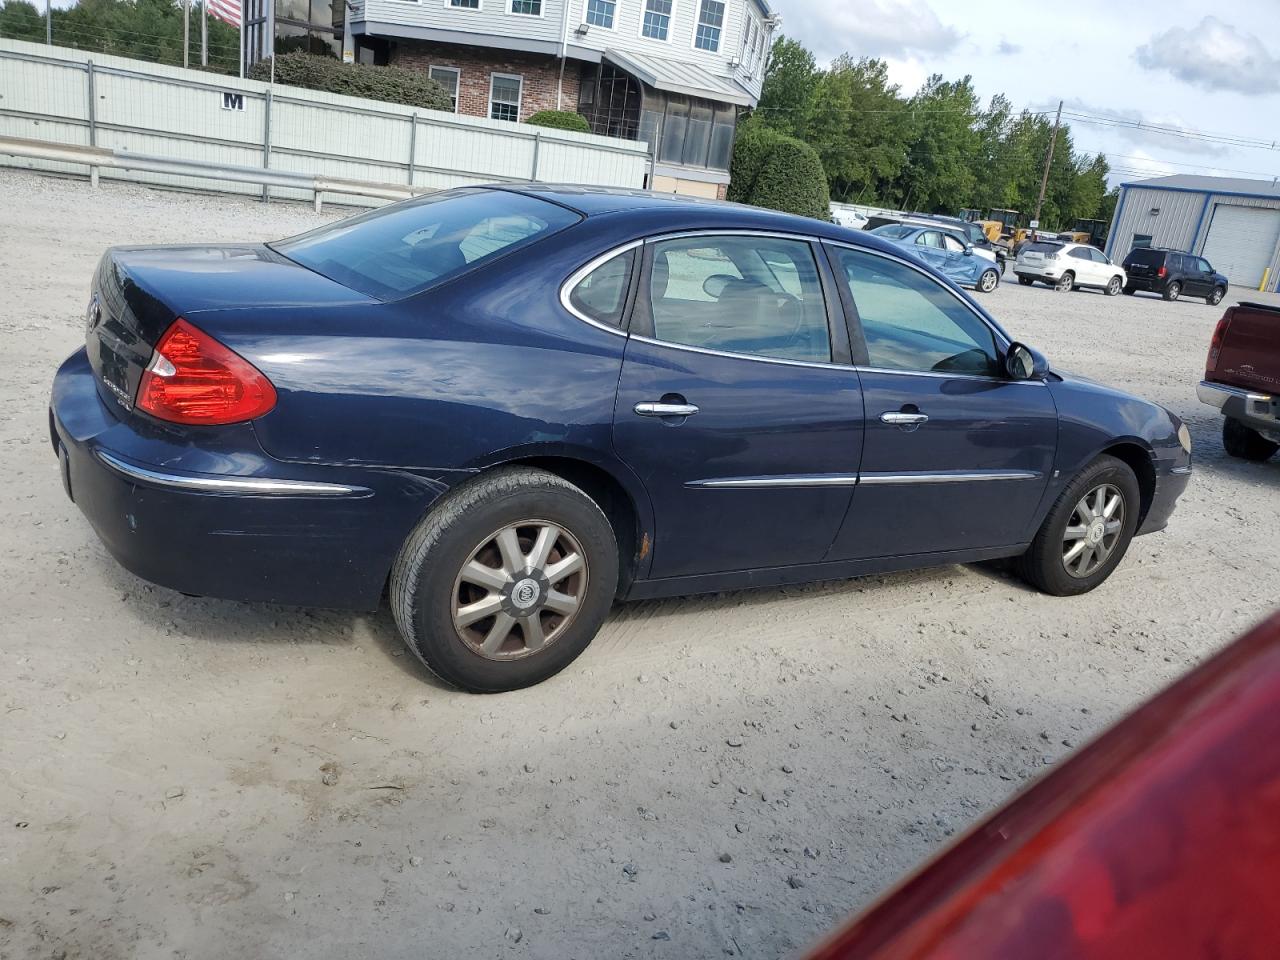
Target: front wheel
989, 280
1215, 298
1173, 291
1065, 282
1026, 281
506, 581
1245, 442
1087, 531
1114, 286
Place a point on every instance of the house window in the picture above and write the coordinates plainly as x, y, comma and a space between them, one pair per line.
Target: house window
465, 4
748, 42
532, 8
657, 19
504, 96
1141, 240
600, 13
447, 77
710, 20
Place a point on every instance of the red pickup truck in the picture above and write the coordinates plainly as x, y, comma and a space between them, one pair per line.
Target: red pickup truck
1242, 379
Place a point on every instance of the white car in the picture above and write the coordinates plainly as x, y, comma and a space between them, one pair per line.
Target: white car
1066, 266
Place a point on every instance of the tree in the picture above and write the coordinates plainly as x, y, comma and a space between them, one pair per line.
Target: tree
790, 81
939, 173
770, 169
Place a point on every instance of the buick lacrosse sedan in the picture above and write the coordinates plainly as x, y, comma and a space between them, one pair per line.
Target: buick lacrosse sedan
506, 408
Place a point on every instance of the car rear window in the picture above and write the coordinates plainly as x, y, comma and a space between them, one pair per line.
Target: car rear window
893, 231
403, 249
1043, 247
1148, 258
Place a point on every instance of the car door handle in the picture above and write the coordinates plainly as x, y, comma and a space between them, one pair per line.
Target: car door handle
651, 408
899, 419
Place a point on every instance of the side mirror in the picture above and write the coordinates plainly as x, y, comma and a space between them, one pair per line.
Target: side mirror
1023, 363
968, 250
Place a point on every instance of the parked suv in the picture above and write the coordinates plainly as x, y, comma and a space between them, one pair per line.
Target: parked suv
1171, 274
1068, 266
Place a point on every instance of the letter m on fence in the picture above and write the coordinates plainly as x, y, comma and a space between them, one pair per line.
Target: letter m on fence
232, 101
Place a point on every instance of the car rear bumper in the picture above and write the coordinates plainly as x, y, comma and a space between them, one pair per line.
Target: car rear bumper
228, 522
1150, 284
1255, 409
1048, 271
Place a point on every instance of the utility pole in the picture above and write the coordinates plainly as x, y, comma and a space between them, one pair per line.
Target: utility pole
204, 33
186, 32
48, 22
1048, 161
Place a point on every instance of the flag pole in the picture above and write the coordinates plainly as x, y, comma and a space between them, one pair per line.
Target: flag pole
242, 6
204, 33
186, 32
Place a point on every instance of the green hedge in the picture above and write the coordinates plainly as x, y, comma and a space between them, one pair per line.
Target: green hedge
779, 172
560, 120
391, 84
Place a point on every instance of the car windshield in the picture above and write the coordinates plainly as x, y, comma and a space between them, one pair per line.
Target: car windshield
403, 249
1043, 247
893, 231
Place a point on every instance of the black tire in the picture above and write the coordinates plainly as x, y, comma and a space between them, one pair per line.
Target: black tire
1026, 281
1112, 289
1128, 291
425, 579
1245, 442
988, 281
1043, 566
1215, 296
1173, 291
1066, 282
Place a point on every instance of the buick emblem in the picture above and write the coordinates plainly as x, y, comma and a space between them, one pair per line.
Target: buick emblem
525, 594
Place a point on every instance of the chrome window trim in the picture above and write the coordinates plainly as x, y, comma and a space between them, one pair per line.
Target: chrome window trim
247, 486
848, 368
950, 476
950, 376
581, 273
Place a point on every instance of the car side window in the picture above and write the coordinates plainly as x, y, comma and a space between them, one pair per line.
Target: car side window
1098, 255
1204, 266
740, 294
952, 244
1081, 253
930, 238
602, 293
911, 322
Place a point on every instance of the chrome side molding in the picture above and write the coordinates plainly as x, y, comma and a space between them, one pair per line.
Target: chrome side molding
243, 486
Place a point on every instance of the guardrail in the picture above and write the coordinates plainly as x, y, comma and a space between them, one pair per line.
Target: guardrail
96, 157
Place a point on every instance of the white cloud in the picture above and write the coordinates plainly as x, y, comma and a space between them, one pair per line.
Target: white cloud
1007, 49
1213, 56
876, 28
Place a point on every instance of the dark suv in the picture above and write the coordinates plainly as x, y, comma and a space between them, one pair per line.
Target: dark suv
1171, 274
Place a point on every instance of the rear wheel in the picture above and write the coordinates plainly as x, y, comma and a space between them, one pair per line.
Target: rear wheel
1087, 531
1114, 287
506, 581
989, 280
1215, 298
1173, 291
1245, 442
1026, 281
1065, 282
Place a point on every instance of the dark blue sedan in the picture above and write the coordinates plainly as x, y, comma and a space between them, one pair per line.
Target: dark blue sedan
508, 407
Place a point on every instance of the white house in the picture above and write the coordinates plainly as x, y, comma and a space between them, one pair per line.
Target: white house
673, 73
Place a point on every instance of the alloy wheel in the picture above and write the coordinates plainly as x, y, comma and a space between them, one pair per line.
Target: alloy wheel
1215, 298
1113, 288
519, 590
987, 282
1093, 530
1065, 283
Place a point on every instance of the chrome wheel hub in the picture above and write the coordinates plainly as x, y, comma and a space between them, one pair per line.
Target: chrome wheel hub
1093, 530
519, 590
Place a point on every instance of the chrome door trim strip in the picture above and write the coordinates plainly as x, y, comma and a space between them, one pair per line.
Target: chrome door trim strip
950, 476
245, 486
999, 381
848, 368
781, 480
576, 277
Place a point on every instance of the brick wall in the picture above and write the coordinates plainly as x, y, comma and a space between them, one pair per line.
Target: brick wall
541, 74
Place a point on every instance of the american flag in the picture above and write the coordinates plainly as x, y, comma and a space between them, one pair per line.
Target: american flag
227, 11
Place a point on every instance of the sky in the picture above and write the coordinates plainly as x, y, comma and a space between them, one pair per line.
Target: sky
1195, 67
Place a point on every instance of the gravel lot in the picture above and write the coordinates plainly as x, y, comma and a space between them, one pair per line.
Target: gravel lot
718, 776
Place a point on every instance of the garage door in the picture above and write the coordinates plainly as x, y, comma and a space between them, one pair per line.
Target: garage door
1242, 241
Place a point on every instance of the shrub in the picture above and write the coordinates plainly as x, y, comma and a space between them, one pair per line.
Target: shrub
390, 84
560, 120
779, 172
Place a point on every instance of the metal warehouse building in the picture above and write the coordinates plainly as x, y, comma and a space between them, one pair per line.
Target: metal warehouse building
1234, 224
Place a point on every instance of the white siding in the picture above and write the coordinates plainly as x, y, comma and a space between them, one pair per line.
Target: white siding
170, 112
495, 19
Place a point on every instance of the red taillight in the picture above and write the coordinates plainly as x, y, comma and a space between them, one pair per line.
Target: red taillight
1215, 345
1161, 272
192, 378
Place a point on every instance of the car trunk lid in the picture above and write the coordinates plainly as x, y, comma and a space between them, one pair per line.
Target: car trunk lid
138, 292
